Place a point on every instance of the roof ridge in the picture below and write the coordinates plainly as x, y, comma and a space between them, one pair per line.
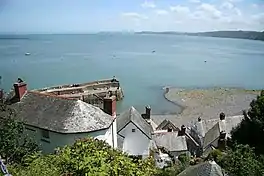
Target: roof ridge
50, 95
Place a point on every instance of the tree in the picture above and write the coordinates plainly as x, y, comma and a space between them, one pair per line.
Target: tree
14, 144
85, 157
251, 129
242, 161
95, 157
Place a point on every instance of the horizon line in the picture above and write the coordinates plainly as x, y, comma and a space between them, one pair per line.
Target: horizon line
98, 32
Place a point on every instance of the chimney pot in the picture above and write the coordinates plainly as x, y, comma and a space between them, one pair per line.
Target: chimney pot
182, 131
20, 89
148, 111
222, 116
110, 105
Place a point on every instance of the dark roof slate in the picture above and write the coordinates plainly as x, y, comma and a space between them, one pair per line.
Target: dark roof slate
60, 114
208, 168
171, 141
211, 135
167, 124
132, 115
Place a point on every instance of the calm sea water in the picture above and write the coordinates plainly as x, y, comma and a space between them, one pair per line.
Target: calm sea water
177, 61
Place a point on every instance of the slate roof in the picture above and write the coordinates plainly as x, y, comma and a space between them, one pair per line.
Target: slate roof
226, 125
209, 168
132, 115
209, 130
211, 135
60, 114
171, 141
166, 123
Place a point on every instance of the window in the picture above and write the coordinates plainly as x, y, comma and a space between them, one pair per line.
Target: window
45, 134
133, 130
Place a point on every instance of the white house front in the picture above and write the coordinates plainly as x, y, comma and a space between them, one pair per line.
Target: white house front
134, 133
55, 121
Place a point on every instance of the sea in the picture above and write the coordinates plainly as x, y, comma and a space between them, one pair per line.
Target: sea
144, 64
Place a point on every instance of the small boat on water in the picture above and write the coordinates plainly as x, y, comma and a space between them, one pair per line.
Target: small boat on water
27, 54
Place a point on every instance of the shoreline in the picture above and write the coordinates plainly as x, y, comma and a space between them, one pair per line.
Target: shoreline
206, 103
181, 106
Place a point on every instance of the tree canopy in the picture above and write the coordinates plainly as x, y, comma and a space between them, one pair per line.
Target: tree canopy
251, 129
14, 143
245, 155
85, 157
242, 161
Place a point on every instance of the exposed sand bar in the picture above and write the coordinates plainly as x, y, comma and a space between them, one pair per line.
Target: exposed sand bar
209, 103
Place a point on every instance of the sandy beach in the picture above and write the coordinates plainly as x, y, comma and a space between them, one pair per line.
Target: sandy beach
207, 103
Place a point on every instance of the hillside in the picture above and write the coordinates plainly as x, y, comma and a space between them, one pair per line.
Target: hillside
251, 35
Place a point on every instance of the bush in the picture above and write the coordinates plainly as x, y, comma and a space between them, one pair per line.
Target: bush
184, 159
242, 161
215, 155
84, 157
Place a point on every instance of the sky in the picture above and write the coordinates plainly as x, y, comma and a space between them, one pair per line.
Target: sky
84, 16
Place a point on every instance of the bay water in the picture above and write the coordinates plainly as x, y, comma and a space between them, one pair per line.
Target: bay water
144, 64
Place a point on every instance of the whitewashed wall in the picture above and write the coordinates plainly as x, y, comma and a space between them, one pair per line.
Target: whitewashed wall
135, 143
111, 135
59, 140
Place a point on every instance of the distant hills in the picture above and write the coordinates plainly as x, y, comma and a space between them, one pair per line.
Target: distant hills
251, 35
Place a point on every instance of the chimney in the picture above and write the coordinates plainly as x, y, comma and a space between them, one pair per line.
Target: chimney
148, 110
222, 116
182, 131
146, 116
110, 105
199, 119
20, 89
222, 141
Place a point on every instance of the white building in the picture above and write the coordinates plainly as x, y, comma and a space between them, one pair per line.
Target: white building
134, 133
55, 121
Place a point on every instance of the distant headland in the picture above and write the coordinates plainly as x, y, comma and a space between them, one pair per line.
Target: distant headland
251, 35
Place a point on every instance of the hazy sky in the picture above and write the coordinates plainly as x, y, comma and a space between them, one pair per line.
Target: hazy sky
81, 16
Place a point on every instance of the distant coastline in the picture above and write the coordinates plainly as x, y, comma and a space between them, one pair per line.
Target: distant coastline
250, 35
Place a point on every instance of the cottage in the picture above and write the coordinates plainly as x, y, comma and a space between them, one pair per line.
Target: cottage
171, 143
167, 125
212, 134
208, 168
134, 133
55, 121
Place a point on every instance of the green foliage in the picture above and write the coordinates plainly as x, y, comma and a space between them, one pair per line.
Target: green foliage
215, 155
242, 161
39, 166
174, 170
85, 157
250, 131
14, 144
182, 163
246, 156
94, 157
184, 159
